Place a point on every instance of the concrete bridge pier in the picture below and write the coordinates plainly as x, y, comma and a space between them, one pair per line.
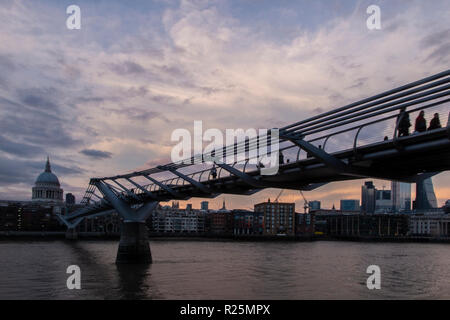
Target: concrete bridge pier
71, 234
133, 246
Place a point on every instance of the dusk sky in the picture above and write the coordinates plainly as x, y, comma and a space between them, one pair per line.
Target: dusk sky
105, 99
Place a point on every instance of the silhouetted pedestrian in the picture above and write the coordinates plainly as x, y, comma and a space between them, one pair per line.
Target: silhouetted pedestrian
435, 123
280, 158
403, 123
421, 123
214, 172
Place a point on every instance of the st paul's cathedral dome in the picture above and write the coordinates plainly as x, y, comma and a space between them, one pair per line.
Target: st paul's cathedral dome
47, 187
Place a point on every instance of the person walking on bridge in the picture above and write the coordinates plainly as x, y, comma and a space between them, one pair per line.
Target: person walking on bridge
280, 157
214, 172
435, 123
421, 123
403, 123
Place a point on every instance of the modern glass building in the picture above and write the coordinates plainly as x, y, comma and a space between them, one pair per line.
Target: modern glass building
401, 196
350, 205
425, 197
204, 205
368, 193
314, 205
383, 201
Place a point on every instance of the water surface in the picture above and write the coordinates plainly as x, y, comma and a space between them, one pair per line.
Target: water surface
226, 270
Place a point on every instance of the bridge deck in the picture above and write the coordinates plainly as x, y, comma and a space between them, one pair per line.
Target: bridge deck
396, 160
400, 158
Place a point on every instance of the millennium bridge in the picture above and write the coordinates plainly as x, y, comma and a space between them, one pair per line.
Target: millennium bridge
356, 141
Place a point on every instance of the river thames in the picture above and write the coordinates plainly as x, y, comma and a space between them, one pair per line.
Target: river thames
189, 269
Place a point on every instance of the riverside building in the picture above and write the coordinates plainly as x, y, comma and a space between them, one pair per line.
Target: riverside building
279, 218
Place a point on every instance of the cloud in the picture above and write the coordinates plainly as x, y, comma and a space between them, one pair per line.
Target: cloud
63, 170
440, 54
38, 98
7, 64
143, 115
26, 171
125, 84
12, 171
19, 149
37, 127
435, 38
96, 153
127, 68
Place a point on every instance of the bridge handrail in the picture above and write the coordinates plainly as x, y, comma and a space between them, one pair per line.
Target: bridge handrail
358, 111
324, 122
387, 93
375, 97
379, 110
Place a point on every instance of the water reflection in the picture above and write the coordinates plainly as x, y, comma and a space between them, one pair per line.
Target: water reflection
226, 270
133, 281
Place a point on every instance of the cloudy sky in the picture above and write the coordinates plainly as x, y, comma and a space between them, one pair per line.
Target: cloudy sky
105, 99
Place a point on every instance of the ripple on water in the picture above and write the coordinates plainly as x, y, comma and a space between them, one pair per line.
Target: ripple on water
226, 270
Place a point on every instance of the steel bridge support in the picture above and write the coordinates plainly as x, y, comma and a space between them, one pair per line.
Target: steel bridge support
133, 246
71, 232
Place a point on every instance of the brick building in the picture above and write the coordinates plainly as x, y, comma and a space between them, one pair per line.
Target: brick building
279, 217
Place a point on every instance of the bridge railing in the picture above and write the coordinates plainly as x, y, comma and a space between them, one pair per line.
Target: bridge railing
347, 122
